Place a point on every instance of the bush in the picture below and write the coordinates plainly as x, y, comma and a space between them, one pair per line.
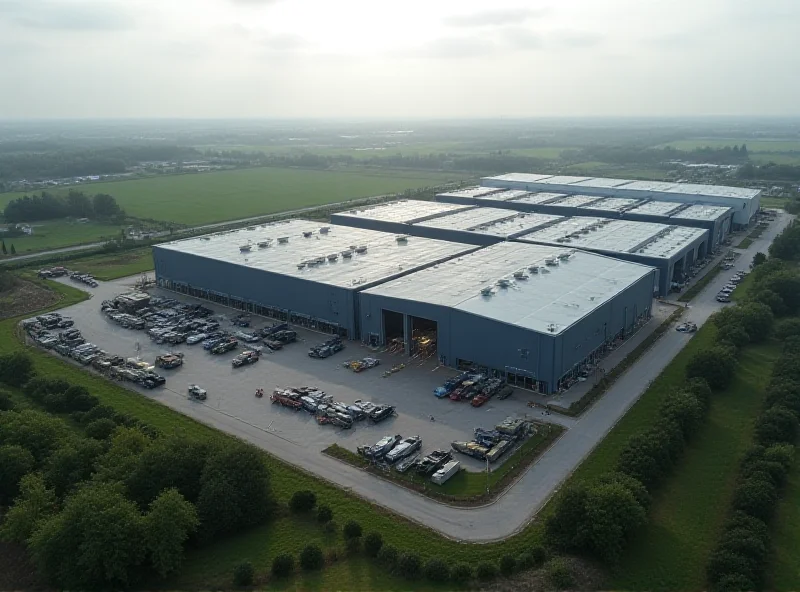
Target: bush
15, 463
352, 530
100, 429
311, 558
243, 574
724, 564
324, 514
387, 556
734, 583
558, 573
715, 365
16, 369
539, 554
436, 570
303, 501
525, 561
461, 573
352, 546
283, 565
373, 543
5, 401
486, 571
776, 425
409, 566
755, 497
787, 328
507, 565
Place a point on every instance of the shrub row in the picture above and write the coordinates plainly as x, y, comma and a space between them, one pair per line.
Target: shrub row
738, 562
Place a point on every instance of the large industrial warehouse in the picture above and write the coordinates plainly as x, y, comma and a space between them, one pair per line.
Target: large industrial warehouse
296, 271
717, 219
672, 249
744, 202
533, 314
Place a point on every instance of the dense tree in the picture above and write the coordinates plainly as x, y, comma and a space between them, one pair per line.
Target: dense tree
759, 258
34, 503
283, 565
777, 425
715, 365
101, 429
734, 334
47, 207
39, 433
15, 368
684, 409
106, 206
168, 524
6, 402
787, 328
772, 300
95, 542
756, 497
352, 530
373, 543
71, 464
311, 558
757, 320
122, 457
234, 491
15, 463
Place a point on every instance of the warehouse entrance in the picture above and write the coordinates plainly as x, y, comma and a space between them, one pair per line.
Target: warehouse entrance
423, 338
394, 332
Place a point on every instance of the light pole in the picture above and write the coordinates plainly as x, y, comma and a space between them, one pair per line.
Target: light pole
487, 475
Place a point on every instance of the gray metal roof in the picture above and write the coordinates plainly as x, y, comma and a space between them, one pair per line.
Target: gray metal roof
618, 236
601, 182
702, 212
539, 198
504, 195
548, 301
613, 204
521, 177
519, 224
385, 257
406, 211
575, 201
563, 180
657, 208
468, 219
476, 191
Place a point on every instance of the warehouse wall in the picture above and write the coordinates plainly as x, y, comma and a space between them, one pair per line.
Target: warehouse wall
323, 302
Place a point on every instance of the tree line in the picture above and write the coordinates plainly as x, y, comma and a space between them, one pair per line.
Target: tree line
46, 206
115, 502
770, 172
637, 154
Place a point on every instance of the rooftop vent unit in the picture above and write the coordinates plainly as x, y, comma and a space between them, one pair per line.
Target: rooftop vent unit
521, 275
551, 328
533, 268
551, 261
307, 233
205, 238
563, 256
311, 262
263, 244
324, 229
585, 230
301, 265
319, 260
402, 238
347, 254
361, 249
251, 228
244, 248
486, 291
283, 240
504, 282
333, 256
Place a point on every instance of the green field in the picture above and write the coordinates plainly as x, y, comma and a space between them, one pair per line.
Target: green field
752, 145
687, 513
53, 234
214, 197
115, 265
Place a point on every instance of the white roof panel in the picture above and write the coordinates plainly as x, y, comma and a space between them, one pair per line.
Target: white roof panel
506, 195
476, 191
383, 259
702, 212
468, 219
520, 177
519, 224
601, 182
647, 186
406, 211
563, 180
547, 302
613, 204
576, 201
657, 208
538, 198
617, 236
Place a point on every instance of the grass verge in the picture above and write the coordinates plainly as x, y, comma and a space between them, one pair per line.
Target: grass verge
597, 391
688, 512
746, 242
467, 488
700, 285
111, 266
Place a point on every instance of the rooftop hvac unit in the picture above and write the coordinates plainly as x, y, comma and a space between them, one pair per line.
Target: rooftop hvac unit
402, 238
263, 244
486, 292
533, 269
504, 282
307, 233
251, 228
205, 238
333, 256
319, 260
361, 249
563, 256
311, 262
324, 229
561, 239
551, 261
520, 275
347, 254
301, 265
244, 248
283, 240
551, 327
585, 230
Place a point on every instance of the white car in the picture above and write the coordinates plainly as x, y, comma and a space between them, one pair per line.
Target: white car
195, 392
192, 339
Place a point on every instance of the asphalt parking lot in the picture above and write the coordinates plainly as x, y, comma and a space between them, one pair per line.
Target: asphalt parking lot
231, 390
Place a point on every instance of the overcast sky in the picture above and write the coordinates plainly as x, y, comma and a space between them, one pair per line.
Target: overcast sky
413, 58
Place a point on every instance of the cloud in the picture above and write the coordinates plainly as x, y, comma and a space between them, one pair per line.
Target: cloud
453, 48
521, 38
577, 39
284, 42
68, 16
492, 18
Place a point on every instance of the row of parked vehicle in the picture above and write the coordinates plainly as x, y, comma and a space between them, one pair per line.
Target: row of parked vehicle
402, 454
490, 445
71, 343
328, 411
725, 294
327, 348
473, 386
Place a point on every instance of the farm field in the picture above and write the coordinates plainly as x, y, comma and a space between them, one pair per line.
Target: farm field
760, 151
672, 551
215, 197
53, 234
